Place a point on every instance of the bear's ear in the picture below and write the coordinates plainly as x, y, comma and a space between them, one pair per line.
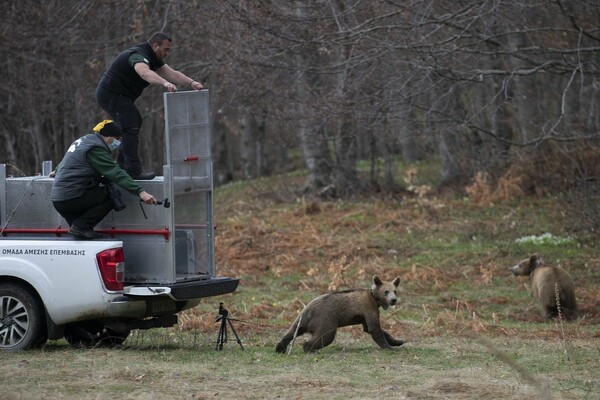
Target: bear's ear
396, 281
377, 281
535, 261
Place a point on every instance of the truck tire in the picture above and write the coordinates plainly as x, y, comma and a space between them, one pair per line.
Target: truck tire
93, 334
22, 318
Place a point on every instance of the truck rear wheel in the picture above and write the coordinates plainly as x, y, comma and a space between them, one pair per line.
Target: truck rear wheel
22, 320
93, 334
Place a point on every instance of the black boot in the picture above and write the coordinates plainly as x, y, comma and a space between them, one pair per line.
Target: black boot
143, 176
79, 233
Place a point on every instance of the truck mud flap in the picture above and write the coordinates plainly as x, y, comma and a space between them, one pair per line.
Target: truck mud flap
204, 288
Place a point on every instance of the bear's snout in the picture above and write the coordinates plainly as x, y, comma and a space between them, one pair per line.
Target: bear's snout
516, 270
393, 302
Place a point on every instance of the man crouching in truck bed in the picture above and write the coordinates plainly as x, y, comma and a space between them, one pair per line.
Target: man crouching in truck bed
76, 193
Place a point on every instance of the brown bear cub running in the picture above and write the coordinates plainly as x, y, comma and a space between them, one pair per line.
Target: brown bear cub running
325, 314
549, 284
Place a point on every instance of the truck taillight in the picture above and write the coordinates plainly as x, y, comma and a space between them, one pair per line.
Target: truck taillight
112, 268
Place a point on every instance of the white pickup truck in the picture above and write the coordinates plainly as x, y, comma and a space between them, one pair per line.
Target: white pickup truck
154, 261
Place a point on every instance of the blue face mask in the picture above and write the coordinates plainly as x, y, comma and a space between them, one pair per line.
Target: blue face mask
115, 144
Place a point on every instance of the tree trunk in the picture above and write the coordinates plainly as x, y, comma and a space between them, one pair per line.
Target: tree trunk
314, 145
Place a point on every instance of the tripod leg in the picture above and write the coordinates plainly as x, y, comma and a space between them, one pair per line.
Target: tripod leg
218, 339
235, 333
222, 336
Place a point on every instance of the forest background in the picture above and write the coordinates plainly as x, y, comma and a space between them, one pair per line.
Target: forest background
502, 93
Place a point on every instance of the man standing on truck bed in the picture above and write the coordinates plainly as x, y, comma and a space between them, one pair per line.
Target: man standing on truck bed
125, 80
76, 193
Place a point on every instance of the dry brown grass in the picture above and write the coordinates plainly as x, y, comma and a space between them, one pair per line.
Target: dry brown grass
311, 241
484, 192
547, 169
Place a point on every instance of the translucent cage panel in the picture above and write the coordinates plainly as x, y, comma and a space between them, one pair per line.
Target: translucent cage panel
194, 235
188, 153
188, 133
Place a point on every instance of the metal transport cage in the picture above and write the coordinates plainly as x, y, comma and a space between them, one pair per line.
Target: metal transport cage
164, 244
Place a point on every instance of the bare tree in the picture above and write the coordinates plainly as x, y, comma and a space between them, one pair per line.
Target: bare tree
475, 84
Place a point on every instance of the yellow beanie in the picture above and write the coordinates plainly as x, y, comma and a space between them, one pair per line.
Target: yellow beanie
108, 128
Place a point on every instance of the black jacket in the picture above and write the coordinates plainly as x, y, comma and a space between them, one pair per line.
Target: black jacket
121, 77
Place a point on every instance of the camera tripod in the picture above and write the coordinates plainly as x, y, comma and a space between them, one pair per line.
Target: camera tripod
222, 337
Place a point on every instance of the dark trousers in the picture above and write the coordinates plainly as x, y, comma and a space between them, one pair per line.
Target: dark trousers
86, 211
123, 110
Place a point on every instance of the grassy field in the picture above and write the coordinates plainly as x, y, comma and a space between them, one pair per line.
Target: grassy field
472, 330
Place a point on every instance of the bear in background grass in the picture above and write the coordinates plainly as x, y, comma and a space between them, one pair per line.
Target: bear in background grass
551, 286
325, 314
